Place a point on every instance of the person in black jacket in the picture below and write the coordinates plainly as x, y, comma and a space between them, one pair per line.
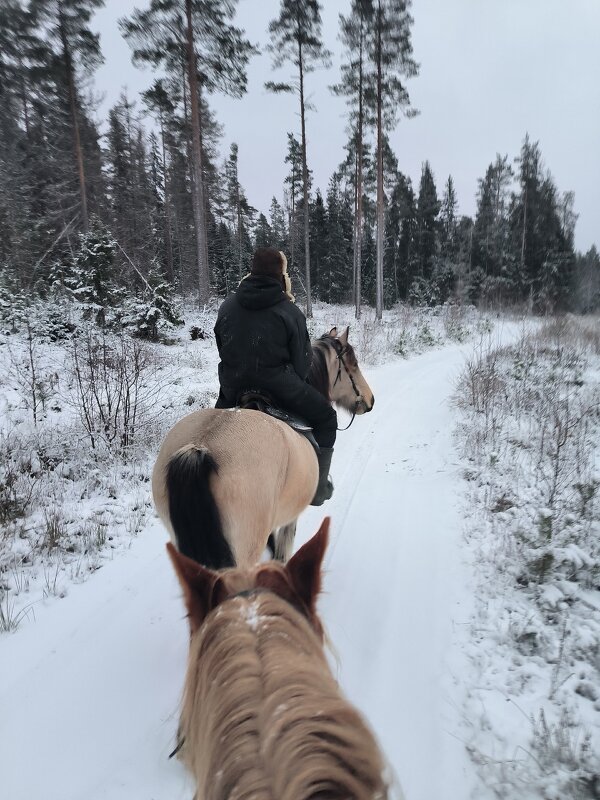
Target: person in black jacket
264, 345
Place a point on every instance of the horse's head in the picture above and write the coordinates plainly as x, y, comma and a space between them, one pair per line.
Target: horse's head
298, 582
334, 363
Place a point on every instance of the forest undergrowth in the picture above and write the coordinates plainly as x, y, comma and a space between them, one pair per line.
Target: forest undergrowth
529, 433
83, 413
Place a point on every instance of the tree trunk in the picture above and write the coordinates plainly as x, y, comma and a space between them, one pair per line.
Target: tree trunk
380, 220
73, 108
198, 182
239, 224
359, 185
168, 241
305, 182
524, 237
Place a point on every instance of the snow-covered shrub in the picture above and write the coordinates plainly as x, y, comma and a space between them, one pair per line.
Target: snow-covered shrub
154, 312
109, 374
531, 434
29, 374
454, 324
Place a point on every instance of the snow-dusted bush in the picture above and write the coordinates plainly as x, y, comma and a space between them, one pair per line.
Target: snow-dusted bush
154, 312
530, 433
110, 375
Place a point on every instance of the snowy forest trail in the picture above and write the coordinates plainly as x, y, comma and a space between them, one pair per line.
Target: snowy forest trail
89, 692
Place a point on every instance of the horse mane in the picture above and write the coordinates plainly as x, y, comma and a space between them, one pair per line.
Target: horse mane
263, 716
318, 373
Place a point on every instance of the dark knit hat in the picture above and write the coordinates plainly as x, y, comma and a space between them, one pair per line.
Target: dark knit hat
268, 261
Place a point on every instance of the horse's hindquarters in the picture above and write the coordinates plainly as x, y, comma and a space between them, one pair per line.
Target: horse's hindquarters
265, 474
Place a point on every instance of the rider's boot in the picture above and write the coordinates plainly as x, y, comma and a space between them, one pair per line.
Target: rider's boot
325, 486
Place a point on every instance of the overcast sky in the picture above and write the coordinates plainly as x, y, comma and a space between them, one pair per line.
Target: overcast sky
491, 70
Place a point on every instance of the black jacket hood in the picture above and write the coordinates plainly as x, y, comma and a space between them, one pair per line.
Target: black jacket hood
259, 291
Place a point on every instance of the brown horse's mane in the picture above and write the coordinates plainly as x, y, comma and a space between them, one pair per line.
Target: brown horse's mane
262, 714
318, 374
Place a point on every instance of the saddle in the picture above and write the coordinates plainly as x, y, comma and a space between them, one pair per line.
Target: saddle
260, 401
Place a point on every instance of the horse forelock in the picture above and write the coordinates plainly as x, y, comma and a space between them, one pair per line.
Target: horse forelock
263, 714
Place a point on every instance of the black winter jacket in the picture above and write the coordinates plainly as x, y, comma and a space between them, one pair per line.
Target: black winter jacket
260, 335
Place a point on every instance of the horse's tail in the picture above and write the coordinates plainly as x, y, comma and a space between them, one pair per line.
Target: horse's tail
192, 509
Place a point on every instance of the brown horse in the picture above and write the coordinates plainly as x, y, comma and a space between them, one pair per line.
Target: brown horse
262, 715
225, 479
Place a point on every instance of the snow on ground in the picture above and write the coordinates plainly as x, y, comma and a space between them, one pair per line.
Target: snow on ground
89, 688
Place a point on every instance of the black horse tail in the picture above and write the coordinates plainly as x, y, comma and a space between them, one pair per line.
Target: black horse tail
194, 514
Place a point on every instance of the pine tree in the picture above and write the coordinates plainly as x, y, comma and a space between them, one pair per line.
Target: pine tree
296, 37
198, 37
66, 27
390, 48
353, 84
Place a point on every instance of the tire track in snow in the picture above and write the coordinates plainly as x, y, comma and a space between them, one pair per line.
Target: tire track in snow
393, 566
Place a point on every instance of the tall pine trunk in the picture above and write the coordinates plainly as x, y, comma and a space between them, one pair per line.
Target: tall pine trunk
73, 108
305, 182
380, 210
359, 185
198, 181
167, 220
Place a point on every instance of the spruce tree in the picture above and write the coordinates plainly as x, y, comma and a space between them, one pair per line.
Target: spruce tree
277, 223
428, 208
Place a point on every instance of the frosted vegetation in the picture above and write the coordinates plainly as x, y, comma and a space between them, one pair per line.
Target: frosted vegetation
529, 432
85, 409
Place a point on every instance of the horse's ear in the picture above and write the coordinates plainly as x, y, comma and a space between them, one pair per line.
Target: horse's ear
304, 567
202, 588
333, 332
343, 337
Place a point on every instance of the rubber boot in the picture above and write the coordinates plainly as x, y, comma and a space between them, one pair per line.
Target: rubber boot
325, 486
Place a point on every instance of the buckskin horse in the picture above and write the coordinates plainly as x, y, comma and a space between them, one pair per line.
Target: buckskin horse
262, 715
225, 479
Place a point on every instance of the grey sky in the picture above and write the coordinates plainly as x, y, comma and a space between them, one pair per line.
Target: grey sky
490, 71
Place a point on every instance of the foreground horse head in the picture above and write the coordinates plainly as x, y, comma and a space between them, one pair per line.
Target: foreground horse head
225, 479
262, 715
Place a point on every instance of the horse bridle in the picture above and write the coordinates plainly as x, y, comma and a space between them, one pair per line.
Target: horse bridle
341, 363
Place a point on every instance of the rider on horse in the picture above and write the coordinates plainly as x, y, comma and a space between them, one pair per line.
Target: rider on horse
264, 345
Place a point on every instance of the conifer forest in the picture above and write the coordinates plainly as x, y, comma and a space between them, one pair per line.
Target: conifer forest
127, 213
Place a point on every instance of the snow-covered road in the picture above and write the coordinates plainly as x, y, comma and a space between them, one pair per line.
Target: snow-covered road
89, 692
